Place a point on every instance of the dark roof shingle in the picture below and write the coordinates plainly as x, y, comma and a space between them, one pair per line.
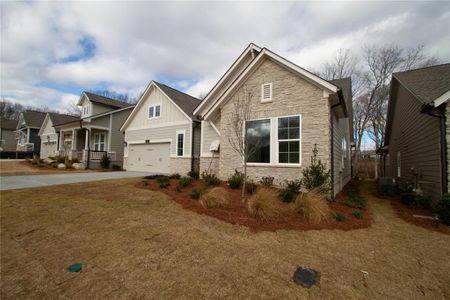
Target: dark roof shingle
106, 101
427, 84
184, 101
8, 124
34, 118
58, 119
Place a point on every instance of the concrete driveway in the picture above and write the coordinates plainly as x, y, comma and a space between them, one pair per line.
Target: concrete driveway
29, 181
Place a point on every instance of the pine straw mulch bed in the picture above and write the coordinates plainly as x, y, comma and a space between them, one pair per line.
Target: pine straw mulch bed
407, 213
237, 212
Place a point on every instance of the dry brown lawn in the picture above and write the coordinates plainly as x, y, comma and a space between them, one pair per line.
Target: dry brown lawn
17, 167
135, 243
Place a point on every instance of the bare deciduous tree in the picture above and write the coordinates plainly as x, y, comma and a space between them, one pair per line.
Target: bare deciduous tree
241, 113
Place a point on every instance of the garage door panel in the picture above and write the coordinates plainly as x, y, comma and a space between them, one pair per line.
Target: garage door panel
149, 157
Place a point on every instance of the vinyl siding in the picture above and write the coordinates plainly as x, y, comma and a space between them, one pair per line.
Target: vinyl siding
102, 121
9, 138
162, 133
118, 137
342, 172
209, 135
417, 137
197, 140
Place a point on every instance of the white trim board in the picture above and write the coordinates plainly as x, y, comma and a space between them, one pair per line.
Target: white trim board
442, 99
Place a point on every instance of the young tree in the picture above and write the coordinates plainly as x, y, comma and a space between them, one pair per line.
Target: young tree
238, 140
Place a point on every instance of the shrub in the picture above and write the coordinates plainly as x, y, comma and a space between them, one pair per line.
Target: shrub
75, 160
267, 181
196, 193
358, 214
178, 189
193, 174
294, 185
340, 217
443, 209
355, 202
316, 174
235, 180
104, 162
210, 178
185, 182
215, 198
164, 184
250, 187
419, 201
163, 181
286, 194
263, 204
313, 206
175, 176
116, 167
60, 159
145, 182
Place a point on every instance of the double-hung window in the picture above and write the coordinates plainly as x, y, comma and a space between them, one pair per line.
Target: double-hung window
274, 141
180, 143
99, 142
154, 111
289, 140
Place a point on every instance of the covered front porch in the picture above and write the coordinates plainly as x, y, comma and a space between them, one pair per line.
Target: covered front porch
87, 144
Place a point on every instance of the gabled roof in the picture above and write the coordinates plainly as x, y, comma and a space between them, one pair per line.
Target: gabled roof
426, 84
184, 102
61, 118
105, 100
33, 118
8, 124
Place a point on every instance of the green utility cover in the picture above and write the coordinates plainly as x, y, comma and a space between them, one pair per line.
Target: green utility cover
76, 267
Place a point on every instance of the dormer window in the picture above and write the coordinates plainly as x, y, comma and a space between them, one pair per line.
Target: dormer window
86, 110
266, 92
154, 111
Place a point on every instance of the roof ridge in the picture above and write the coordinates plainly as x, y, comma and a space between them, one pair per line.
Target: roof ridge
174, 89
86, 92
421, 68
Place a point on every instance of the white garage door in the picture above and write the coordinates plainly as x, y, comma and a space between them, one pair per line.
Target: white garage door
149, 157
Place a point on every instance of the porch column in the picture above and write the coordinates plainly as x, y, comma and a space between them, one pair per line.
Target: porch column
61, 140
74, 139
86, 139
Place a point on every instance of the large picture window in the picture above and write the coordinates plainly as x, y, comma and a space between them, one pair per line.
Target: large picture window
258, 141
289, 140
99, 142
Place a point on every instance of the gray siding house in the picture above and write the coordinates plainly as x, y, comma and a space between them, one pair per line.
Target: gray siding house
27, 133
96, 133
7, 134
292, 110
418, 129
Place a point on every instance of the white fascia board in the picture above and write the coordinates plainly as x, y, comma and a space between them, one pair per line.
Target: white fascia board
302, 72
225, 76
442, 99
44, 124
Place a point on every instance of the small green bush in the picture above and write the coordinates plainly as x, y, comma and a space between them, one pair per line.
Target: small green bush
442, 209
145, 182
163, 181
419, 201
235, 180
178, 189
286, 194
355, 202
104, 162
267, 181
210, 178
193, 174
185, 182
60, 159
116, 167
316, 174
164, 184
294, 185
340, 217
250, 187
358, 214
195, 193
175, 176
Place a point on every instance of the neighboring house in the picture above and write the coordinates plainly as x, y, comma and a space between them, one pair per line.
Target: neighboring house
96, 133
48, 134
27, 131
418, 129
7, 135
161, 134
291, 111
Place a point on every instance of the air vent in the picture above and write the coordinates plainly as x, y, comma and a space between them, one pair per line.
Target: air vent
266, 92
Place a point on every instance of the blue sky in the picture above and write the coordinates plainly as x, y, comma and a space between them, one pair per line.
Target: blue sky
51, 52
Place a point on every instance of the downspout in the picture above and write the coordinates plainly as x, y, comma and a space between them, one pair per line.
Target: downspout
427, 109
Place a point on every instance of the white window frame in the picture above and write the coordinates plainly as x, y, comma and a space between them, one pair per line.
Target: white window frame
265, 100
274, 157
290, 140
183, 132
99, 142
154, 111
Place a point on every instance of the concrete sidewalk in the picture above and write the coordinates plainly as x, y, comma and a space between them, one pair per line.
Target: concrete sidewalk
29, 181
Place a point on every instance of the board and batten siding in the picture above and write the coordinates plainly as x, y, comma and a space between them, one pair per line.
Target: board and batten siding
209, 135
417, 137
169, 112
162, 133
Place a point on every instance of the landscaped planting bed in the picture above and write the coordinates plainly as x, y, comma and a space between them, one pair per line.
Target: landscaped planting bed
236, 212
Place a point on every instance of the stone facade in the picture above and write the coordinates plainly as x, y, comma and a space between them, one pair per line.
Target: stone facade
180, 165
205, 163
292, 95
